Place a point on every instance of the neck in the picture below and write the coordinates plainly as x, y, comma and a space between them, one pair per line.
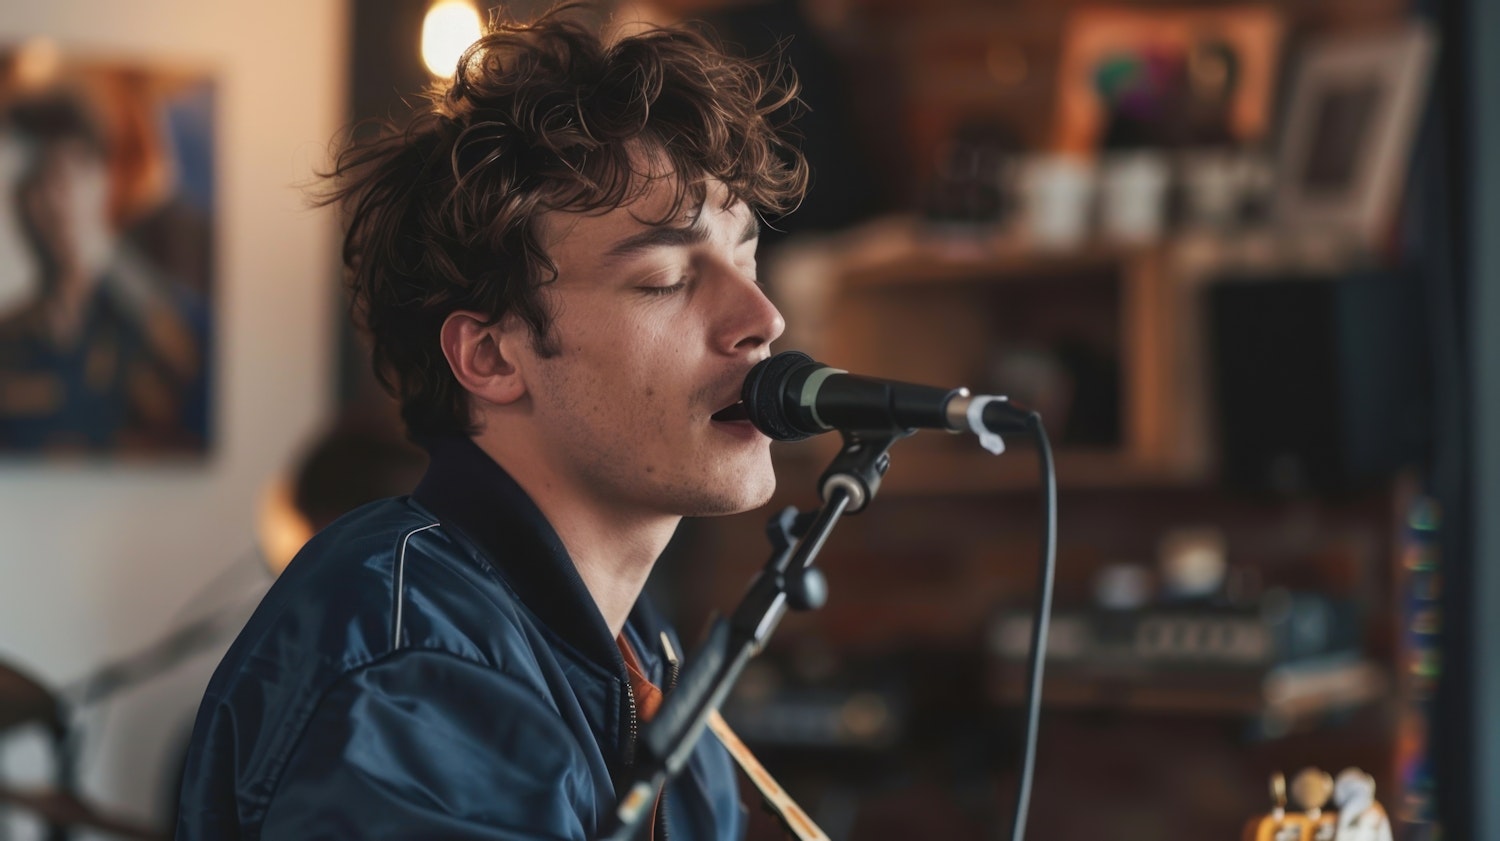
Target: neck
613, 549
613, 559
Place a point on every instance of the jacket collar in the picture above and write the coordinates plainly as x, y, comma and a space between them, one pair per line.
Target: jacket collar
467, 490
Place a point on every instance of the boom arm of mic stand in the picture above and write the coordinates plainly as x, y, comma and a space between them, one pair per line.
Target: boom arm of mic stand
786, 581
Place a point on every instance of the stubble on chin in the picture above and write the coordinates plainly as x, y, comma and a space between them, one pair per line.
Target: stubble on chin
747, 490
735, 490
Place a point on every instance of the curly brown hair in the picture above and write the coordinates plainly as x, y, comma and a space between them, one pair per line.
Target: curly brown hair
444, 214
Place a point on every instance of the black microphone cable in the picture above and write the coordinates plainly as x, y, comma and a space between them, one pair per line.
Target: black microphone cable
1036, 657
783, 396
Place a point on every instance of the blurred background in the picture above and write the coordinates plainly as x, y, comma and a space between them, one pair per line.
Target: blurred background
1240, 255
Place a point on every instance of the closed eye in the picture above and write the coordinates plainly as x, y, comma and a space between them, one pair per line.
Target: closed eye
662, 291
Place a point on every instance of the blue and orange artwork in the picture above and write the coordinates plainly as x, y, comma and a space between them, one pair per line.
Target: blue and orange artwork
106, 257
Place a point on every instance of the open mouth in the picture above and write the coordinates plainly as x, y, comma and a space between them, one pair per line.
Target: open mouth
733, 412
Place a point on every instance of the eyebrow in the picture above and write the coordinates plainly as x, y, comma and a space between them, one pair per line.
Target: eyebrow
662, 236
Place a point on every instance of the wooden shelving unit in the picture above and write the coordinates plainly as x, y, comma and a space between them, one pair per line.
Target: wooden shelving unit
952, 539
903, 301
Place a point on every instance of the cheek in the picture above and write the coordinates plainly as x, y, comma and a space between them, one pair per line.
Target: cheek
630, 361
651, 352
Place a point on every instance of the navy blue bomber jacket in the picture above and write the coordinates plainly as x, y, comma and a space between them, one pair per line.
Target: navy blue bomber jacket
433, 667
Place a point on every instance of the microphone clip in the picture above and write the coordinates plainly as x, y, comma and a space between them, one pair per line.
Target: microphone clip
860, 465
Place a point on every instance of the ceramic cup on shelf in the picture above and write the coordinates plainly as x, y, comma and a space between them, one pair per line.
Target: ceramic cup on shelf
1223, 188
1056, 194
1210, 189
1133, 196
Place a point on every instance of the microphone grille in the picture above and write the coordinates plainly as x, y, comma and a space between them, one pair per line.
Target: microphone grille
764, 395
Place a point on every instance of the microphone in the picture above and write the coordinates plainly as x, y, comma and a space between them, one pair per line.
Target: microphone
790, 397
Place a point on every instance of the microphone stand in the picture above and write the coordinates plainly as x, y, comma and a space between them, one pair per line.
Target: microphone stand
787, 581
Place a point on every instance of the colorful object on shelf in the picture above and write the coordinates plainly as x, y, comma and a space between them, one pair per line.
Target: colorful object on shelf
1421, 660
1176, 78
1356, 815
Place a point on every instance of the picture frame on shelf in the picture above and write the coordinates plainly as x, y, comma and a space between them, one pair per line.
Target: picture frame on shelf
1347, 135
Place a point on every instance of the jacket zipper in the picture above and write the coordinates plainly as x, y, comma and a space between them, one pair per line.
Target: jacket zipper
634, 725
673, 667
633, 720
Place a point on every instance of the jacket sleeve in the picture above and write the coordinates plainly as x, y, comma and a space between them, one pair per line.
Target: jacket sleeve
428, 745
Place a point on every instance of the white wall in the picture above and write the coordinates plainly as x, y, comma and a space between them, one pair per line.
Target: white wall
95, 561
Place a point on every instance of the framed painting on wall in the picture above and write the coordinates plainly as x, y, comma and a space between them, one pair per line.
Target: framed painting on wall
106, 255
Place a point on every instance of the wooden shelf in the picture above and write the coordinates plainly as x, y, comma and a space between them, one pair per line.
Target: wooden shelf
1286, 695
907, 301
902, 251
927, 471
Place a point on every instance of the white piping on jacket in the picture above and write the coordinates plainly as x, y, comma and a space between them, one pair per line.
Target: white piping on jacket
401, 582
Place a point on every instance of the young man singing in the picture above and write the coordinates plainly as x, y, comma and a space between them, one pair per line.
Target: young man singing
556, 265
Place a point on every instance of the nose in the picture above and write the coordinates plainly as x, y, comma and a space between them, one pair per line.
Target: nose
750, 321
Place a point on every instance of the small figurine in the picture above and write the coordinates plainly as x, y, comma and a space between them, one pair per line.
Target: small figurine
1312, 788
1277, 825
1360, 817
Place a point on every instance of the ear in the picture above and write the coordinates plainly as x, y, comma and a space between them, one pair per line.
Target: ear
483, 356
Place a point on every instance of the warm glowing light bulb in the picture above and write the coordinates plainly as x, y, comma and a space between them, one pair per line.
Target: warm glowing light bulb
35, 63
449, 28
